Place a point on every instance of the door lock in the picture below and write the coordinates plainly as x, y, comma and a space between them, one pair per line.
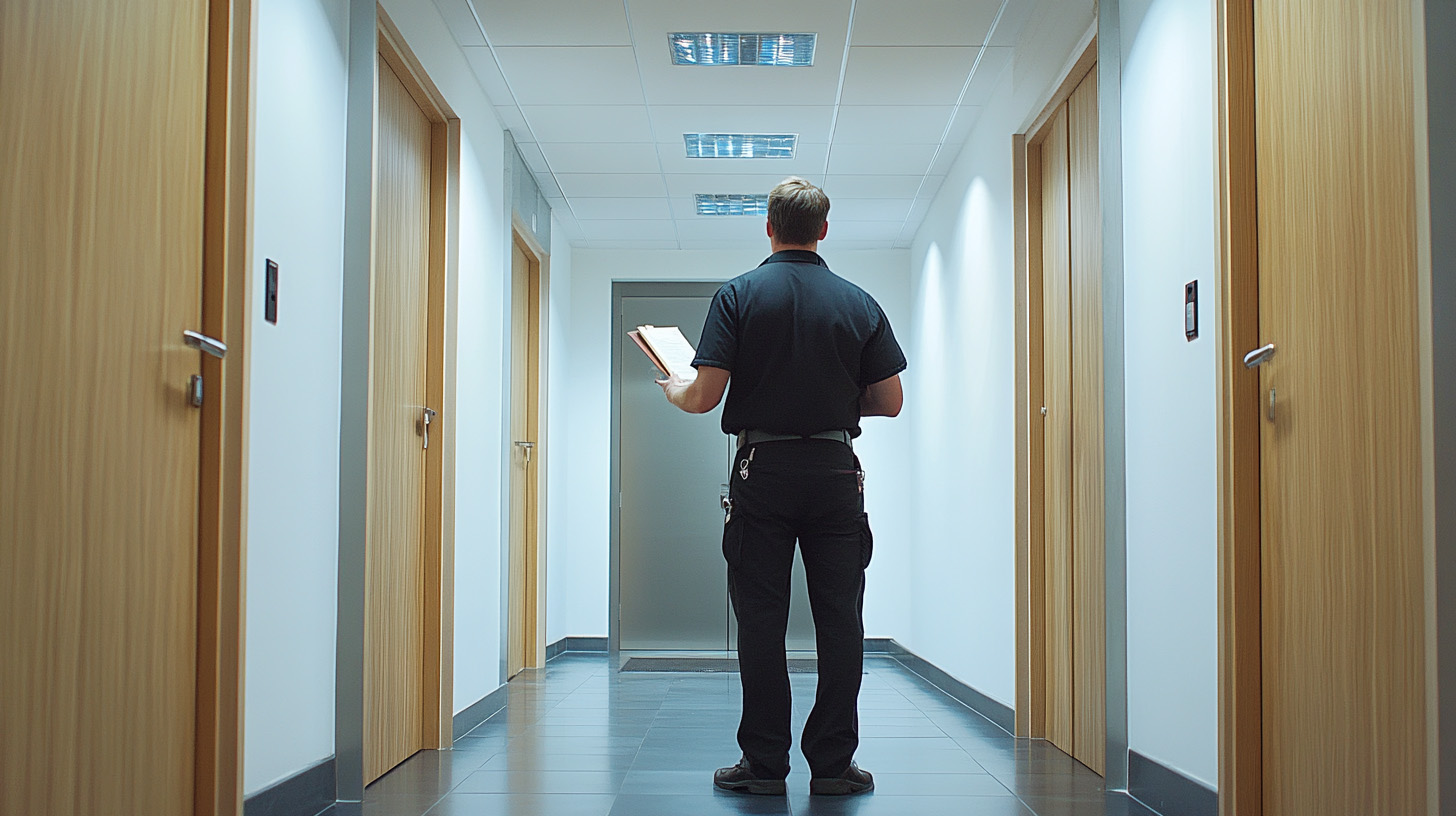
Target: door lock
526, 448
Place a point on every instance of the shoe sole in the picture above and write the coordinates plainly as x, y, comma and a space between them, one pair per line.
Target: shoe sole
838, 787
761, 787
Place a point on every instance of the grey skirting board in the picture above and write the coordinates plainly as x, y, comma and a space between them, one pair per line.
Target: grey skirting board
997, 712
303, 794
1167, 791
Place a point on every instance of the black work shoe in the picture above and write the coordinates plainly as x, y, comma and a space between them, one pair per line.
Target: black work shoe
853, 780
741, 779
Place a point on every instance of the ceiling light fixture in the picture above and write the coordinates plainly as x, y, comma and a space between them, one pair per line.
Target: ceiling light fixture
731, 204
785, 50
740, 145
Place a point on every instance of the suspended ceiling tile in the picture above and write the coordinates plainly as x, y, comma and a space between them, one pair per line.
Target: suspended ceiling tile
864, 230
923, 22
531, 153
586, 244
722, 229
627, 230
668, 84
891, 124
611, 185
491, 80
828, 18
809, 122
512, 120
928, 192
460, 19
572, 76
589, 123
554, 22
884, 159
964, 122
622, 208
808, 158
872, 186
831, 246
869, 209
1012, 22
690, 184
906, 76
946, 160
988, 76
600, 158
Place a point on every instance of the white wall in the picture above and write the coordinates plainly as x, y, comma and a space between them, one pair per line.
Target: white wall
482, 351
293, 437
1169, 238
584, 541
295, 369
961, 402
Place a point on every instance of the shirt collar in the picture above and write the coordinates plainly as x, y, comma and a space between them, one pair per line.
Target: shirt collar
795, 256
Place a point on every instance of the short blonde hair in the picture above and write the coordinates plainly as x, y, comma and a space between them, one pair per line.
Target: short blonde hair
797, 211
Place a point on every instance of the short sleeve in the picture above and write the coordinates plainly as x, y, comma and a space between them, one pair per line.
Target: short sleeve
718, 346
882, 357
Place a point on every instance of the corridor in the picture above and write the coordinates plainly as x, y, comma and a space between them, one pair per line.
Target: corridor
579, 738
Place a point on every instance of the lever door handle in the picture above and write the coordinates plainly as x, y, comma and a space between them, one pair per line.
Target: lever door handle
526, 448
1259, 356
206, 344
422, 425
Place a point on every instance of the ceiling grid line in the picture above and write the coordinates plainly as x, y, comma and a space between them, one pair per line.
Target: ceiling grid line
839, 91
651, 122
980, 55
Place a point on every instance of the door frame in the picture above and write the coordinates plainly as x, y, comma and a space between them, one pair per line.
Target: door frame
620, 290
1031, 601
531, 604
222, 483
1240, 723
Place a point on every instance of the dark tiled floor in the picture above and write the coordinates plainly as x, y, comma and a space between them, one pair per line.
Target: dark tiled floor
580, 739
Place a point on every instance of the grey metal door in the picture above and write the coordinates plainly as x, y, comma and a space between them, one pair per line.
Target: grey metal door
672, 582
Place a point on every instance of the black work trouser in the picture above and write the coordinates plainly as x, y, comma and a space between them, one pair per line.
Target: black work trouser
811, 491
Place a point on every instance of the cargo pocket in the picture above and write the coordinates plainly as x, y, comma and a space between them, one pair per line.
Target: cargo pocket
866, 541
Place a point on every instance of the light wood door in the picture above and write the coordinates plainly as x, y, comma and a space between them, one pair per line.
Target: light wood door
1088, 574
395, 559
1057, 389
525, 433
1071, 261
100, 273
1343, 664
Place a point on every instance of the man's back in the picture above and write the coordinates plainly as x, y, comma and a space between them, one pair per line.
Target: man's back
802, 344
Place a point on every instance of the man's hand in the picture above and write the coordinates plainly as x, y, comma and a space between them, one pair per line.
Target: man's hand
696, 396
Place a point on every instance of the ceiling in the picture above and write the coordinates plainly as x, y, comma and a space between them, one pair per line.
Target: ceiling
589, 92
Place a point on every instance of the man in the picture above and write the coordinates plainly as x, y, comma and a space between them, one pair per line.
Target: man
808, 354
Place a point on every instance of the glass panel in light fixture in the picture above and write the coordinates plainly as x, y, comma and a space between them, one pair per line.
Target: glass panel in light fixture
731, 204
740, 145
706, 48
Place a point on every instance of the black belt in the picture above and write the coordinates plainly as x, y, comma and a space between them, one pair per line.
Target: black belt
746, 438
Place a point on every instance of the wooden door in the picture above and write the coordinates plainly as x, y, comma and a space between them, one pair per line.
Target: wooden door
1343, 602
1088, 574
100, 272
394, 666
1071, 291
1057, 368
525, 433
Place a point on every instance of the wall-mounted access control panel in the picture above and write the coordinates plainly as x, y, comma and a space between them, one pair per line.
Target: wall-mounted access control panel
1190, 310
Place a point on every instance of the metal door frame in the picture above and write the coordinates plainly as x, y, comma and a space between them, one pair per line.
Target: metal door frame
620, 291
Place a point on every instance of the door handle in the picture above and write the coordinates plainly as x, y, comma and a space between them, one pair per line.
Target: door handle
422, 425
1259, 356
526, 448
206, 344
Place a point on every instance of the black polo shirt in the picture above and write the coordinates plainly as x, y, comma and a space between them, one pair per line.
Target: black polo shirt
801, 343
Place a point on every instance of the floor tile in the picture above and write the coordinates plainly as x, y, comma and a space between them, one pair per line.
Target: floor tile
599, 782
520, 804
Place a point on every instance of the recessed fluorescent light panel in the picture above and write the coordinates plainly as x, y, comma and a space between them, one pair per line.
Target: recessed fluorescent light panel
740, 145
732, 204
787, 50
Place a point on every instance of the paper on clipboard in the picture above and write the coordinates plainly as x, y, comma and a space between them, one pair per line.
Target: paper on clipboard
666, 347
